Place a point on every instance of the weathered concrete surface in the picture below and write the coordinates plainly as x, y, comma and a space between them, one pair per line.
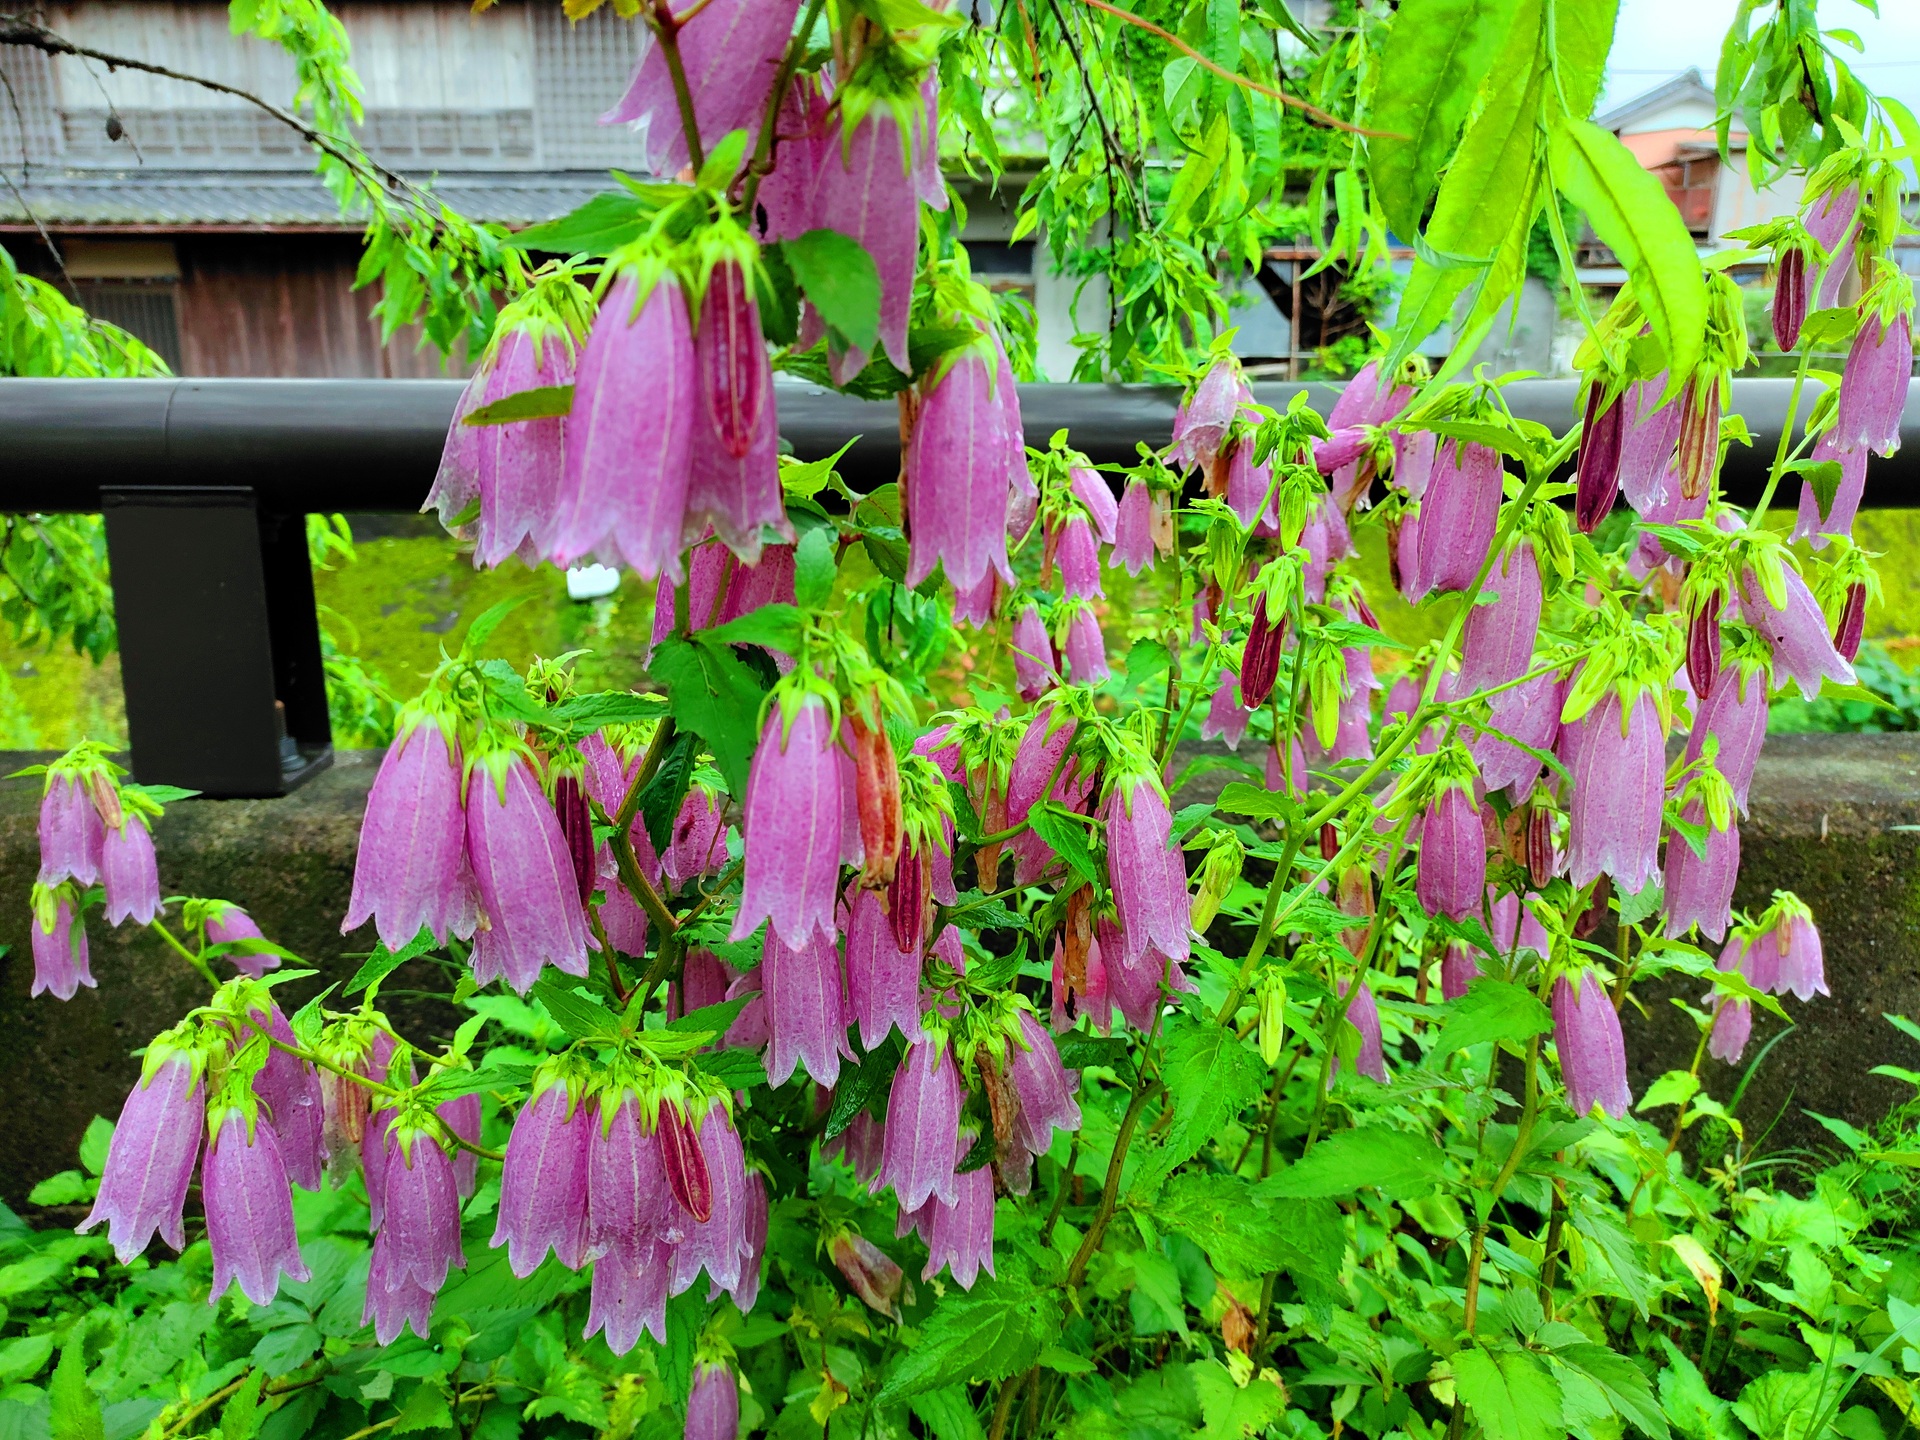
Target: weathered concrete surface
1826, 823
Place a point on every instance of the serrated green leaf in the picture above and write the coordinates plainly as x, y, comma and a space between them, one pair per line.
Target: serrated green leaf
841, 281
599, 227
814, 569
1398, 1163
1067, 838
383, 962
1256, 803
1492, 1010
712, 693
1623, 1383
997, 1329
574, 1011
1511, 1396
73, 1410
1210, 1073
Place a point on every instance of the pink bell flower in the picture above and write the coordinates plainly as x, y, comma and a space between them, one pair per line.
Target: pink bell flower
543, 1183
794, 823
923, 1124
143, 1187
1732, 1028
730, 52
975, 607
518, 465
1699, 889
394, 1302
959, 1235
1593, 1057
1459, 968
1831, 222
60, 964
1602, 434
1809, 525
1146, 869
523, 870
1413, 457
1079, 556
1090, 488
1226, 716
1043, 1087
626, 465
630, 1209
461, 1115
1802, 647
1034, 667
1133, 547
129, 872
1618, 787
411, 871
289, 1093
71, 832
629, 1296
1453, 855
1201, 423
1364, 1015
232, 925
698, 845
747, 1292
1649, 442
1367, 399
1086, 648
249, 1211
883, 981
1247, 484
806, 1008
1735, 714
1458, 517
734, 480
1140, 986
861, 190
1873, 385
421, 1230
1497, 644
1516, 927
1530, 713
785, 197
958, 474
713, 1404
1786, 956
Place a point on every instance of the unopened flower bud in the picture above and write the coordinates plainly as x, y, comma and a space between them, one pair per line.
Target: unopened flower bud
1703, 645
1260, 658
1218, 872
1272, 992
872, 1274
1853, 622
1790, 297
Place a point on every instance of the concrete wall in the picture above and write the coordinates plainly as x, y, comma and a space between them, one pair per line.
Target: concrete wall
1835, 818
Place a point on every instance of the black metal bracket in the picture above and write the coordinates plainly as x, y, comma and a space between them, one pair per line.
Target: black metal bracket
219, 640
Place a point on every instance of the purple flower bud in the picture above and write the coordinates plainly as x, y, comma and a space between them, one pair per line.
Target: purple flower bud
1091, 490
883, 980
958, 475
1133, 530
629, 1295
1598, 478
1732, 1028
1790, 297
713, 1404
1086, 648
143, 1188
1497, 645
1034, 667
1619, 782
71, 832
734, 480
1146, 869
1810, 525
718, 1243
629, 436
411, 871
1453, 855
129, 873
1593, 1057
1873, 385
524, 872
959, 1236
806, 1008
1079, 556
1853, 622
861, 190
1200, 425
730, 52
249, 1211
685, 1164
793, 827
1652, 431
1364, 1015
232, 925
1703, 644
1699, 889
1459, 968
1226, 716
543, 1183
289, 1094
1342, 448
1458, 517
923, 1125
1802, 648
60, 964
1260, 655
1368, 400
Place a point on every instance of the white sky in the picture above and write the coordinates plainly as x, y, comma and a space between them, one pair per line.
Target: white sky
1657, 39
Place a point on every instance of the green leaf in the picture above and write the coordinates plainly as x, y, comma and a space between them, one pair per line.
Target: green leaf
1398, 1163
1629, 210
948, 1414
481, 630
426, 1409
723, 160
772, 627
576, 1012
383, 962
711, 692
1618, 1255
1436, 55
1067, 838
1078, 1050
163, 794
1147, 659
599, 227
1512, 1397
73, 1410
22, 1357
735, 1069
1689, 1403
69, 1187
1622, 1382
241, 1417
1210, 1073
840, 279
1237, 797
539, 403
1492, 1010
860, 1084
94, 1145
660, 801
1824, 478
1234, 1411
997, 1329
814, 569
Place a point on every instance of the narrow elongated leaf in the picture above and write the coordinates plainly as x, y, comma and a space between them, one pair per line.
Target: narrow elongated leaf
539, 403
1629, 210
384, 962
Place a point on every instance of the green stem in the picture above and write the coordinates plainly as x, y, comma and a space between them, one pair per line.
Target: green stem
198, 962
760, 165
1784, 448
666, 30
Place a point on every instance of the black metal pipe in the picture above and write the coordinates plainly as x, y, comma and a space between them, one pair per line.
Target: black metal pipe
373, 445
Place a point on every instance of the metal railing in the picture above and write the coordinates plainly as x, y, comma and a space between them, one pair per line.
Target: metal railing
204, 485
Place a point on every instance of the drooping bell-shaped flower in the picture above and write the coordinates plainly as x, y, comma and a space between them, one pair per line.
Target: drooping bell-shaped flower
1515, 926
1459, 968
1079, 557
393, 1303
1413, 456
793, 824
1619, 777
870, 1273
289, 1092
1831, 221
1453, 854
1226, 716
1034, 667
1036, 761
863, 190
1732, 1028
1593, 1057
698, 846
461, 1115
1201, 424
60, 964
1247, 484
71, 832
1458, 517
1086, 648
1699, 888
230, 925
1497, 644
883, 981
518, 465
1852, 626
1786, 956
806, 1008
421, 1228
1090, 488
630, 433
143, 1188
959, 1236
730, 52
713, 1404
1797, 631
975, 607
1530, 713
630, 1209
734, 480
543, 1183
1811, 525
1364, 1015
629, 1296
785, 197
1647, 446
1145, 867
1133, 530
747, 1291
129, 872
1735, 715
958, 473
1043, 1088
411, 871
1873, 384
919, 1156
523, 870
249, 1210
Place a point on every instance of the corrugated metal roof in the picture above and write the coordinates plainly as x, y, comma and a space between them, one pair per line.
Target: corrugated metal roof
245, 200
